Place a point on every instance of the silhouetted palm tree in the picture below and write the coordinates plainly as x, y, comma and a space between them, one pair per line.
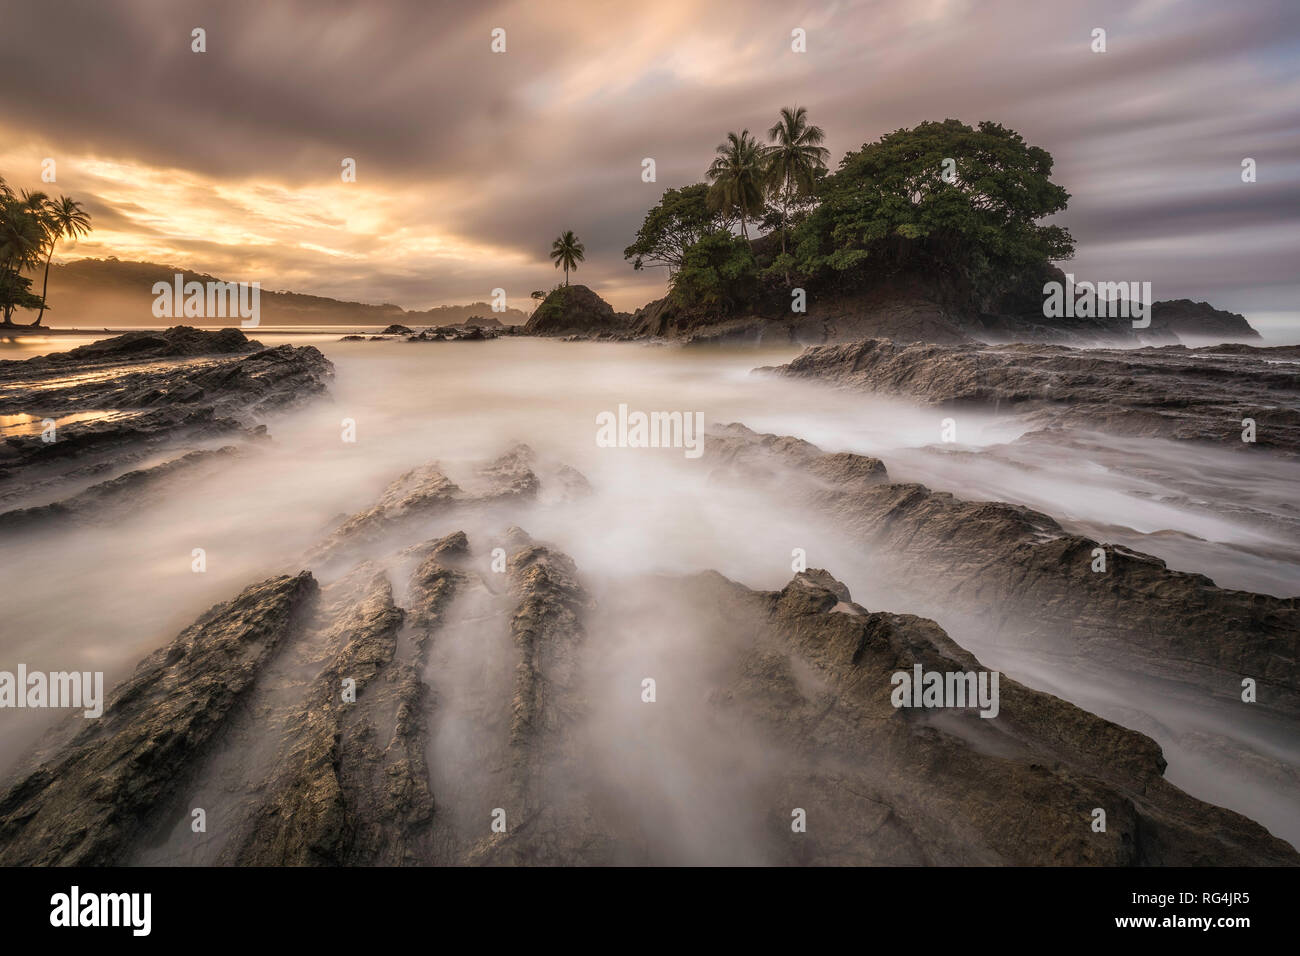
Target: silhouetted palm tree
63, 217
737, 175
794, 159
567, 251
22, 237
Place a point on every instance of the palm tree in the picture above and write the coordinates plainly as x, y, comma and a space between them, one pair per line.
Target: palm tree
63, 218
737, 178
567, 251
794, 159
22, 237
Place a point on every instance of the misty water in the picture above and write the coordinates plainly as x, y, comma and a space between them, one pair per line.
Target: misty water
101, 598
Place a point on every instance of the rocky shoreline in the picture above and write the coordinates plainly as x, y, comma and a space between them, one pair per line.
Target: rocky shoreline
137, 396
1201, 394
252, 703
427, 684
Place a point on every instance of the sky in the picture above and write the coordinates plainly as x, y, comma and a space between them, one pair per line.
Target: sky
470, 162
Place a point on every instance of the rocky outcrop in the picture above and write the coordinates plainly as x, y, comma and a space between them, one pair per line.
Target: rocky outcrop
111, 500
454, 333
880, 784
549, 821
910, 305
425, 492
1184, 317
421, 708
89, 803
351, 783
147, 392
178, 342
1201, 394
1015, 572
577, 311
905, 308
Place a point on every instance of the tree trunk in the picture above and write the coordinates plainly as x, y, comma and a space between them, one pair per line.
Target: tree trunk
785, 214
45, 287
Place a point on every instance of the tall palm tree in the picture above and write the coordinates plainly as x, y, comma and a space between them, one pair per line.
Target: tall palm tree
737, 176
64, 217
794, 159
567, 251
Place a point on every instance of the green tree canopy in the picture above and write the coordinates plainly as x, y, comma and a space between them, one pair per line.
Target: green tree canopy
890, 201
718, 273
679, 220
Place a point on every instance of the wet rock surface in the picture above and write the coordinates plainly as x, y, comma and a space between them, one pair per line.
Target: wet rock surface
1200, 394
108, 501
426, 492
948, 786
121, 400
453, 698
1017, 573
90, 802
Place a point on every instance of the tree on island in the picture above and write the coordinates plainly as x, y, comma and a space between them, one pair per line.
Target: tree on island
794, 160
30, 226
567, 251
738, 175
943, 199
943, 196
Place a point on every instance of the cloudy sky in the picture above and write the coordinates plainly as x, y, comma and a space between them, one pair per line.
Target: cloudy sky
470, 162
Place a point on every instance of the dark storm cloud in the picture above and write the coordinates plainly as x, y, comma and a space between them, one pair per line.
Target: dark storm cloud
504, 151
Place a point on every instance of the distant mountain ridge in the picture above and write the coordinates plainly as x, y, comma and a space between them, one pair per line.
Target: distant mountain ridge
113, 293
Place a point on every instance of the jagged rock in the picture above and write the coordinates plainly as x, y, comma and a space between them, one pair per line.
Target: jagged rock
1015, 572
244, 713
417, 493
94, 798
426, 491
454, 333
351, 785
1189, 394
905, 308
143, 401
903, 786
111, 500
553, 822
396, 329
